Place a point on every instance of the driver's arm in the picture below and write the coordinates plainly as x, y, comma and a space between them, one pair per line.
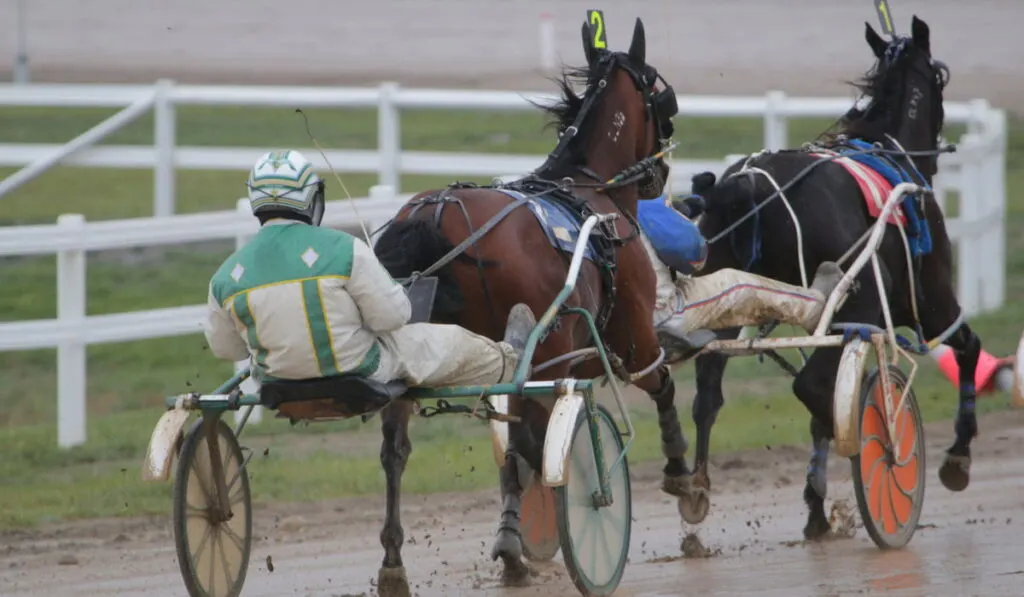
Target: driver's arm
382, 302
221, 334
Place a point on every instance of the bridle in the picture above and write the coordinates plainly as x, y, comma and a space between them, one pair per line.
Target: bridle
659, 105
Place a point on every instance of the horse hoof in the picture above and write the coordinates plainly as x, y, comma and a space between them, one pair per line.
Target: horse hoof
679, 487
515, 574
508, 546
694, 507
392, 582
817, 527
955, 472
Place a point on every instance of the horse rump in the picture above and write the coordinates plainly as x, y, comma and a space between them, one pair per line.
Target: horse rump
409, 246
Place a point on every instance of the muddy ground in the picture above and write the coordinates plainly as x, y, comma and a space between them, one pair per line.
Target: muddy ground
967, 543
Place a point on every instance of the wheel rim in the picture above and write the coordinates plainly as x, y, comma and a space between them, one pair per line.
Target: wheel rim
891, 476
598, 538
539, 524
217, 549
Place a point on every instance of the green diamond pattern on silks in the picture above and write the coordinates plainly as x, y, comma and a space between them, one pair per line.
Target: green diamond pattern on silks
318, 328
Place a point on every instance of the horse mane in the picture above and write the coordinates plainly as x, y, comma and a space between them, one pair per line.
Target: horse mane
565, 110
867, 123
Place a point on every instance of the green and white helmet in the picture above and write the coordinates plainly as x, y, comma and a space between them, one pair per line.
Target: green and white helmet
285, 181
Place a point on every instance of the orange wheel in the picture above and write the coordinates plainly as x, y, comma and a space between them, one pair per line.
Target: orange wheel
889, 472
539, 524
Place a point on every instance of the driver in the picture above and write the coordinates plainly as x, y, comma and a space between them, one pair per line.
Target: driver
309, 302
687, 307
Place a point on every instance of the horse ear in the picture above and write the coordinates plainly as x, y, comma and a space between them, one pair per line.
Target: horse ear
638, 47
921, 34
588, 44
875, 40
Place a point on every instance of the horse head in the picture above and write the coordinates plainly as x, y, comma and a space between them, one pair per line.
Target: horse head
902, 93
619, 124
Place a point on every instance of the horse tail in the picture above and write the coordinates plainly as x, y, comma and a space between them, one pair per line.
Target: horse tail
732, 199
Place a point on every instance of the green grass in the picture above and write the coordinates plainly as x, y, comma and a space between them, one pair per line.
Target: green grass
127, 381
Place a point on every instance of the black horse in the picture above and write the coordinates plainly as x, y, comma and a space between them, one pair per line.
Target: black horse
903, 115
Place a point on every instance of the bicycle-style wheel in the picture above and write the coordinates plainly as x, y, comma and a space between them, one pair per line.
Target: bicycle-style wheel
213, 547
595, 540
889, 471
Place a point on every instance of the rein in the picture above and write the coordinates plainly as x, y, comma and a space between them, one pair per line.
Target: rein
807, 170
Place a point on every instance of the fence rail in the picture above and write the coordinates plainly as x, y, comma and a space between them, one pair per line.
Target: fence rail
976, 173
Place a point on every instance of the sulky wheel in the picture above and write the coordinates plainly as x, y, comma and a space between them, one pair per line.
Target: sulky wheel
539, 522
595, 541
213, 546
889, 480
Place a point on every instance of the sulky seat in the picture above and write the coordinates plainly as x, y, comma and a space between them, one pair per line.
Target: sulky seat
341, 396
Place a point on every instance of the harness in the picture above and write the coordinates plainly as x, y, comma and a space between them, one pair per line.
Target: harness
884, 158
660, 105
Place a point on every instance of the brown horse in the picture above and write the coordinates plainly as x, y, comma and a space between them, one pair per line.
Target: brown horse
608, 157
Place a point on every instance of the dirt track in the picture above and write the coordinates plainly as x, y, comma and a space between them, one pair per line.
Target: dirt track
968, 544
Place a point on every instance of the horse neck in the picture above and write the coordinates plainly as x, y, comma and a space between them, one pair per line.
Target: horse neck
913, 138
614, 145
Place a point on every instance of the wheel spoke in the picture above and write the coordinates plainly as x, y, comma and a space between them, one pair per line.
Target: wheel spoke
202, 543
213, 567
193, 511
227, 570
234, 538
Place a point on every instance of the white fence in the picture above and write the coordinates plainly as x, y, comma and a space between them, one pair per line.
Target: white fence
976, 173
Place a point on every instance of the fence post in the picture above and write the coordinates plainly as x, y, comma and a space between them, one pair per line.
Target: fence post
969, 279
389, 136
995, 201
380, 193
71, 378
775, 121
249, 386
164, 140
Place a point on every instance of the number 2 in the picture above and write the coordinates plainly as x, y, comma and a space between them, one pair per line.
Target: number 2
597, 23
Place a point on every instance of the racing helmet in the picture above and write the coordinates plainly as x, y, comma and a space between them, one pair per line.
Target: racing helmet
284, 181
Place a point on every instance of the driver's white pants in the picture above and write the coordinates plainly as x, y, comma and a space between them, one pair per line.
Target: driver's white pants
729, 298
435, 355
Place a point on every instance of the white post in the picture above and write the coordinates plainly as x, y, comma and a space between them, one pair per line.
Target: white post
969, 281
389, 136
21, 70
546, 42
379, 193
995, 202
163, 144
775, 129
71, 376
249, 386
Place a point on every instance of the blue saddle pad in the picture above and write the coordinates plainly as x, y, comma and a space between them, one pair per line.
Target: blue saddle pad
677, 241
918, 234
560, 224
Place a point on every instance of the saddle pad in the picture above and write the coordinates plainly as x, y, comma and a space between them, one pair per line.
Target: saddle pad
873, 187
560, 224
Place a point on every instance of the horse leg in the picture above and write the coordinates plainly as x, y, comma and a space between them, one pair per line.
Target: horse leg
673, 442
394, 454
523, 456
814, 387
955, 472
817, 480
709, 399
